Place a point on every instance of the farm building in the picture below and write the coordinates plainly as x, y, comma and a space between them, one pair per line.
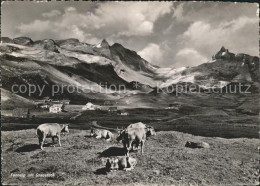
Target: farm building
38, 102
56, 108
89, 106
112, 109
44, 106
174, 106
122, 113
47, 99
43, 101
65, 101
56, 102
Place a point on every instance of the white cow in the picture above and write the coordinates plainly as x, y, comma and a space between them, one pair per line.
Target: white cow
50, 130
120, 163
149, 129
101, 133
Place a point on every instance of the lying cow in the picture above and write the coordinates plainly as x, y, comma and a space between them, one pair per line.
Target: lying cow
149, 129
131, 136
101, 133
50, 130
120, 163
193, 145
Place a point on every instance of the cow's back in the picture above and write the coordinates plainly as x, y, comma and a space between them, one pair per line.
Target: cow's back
136, 125
105, 133
49, 129
133, 133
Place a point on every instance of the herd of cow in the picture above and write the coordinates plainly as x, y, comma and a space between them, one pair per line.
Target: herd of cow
132, 137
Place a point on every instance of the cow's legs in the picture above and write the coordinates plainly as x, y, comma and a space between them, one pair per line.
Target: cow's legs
134, 145
42, 142
137, 145
142, 147
128, 169
59, 139
52, 140
128, 147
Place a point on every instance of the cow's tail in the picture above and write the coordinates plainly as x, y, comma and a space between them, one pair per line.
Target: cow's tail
38, 133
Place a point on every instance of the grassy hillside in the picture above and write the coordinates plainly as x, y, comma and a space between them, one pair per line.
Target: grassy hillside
166, 160
11, 101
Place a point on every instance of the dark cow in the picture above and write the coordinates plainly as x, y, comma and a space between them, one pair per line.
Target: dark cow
131, 136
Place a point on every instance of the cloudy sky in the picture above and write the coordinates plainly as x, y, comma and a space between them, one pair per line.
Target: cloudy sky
168, 34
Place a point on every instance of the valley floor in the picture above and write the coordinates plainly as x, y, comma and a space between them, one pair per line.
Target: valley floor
166, 160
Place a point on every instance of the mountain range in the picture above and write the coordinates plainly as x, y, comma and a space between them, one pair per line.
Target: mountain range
98, 71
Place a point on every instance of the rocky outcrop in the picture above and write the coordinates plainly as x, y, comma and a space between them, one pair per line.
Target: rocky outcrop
104, 49
25, 41
70, 41
6, 40
8, 49
252, 63
104, 44
223, 54
131, 59
49, 44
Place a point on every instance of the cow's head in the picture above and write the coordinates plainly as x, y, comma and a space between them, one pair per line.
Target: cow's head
65, 128
120, 134
92, 132
131, 161
112, 164
150, 131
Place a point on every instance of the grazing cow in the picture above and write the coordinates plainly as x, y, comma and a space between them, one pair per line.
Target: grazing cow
120, 163
98, 133
149, 129
193, 145
131, 136
50, 130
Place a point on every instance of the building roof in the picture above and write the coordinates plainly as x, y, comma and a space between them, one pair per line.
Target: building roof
57, 105
89, 104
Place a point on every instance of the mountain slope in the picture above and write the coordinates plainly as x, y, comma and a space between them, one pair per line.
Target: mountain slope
97, 70
10, 100
48, 63
224, 68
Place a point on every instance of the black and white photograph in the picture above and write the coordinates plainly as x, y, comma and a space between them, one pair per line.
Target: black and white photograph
129, 93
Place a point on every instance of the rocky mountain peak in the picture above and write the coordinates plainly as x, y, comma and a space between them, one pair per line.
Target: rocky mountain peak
223, 53
104, 43
223, 49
